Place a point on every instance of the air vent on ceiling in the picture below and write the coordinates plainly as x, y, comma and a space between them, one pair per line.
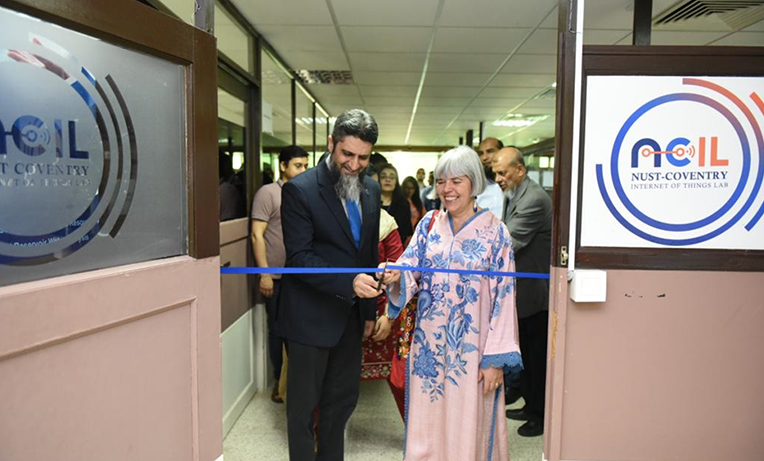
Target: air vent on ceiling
326, 77
737, 14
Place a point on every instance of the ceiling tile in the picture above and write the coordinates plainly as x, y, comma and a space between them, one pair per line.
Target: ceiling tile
445, 91
524, 80
485, 113
438, 102
509, 92
456, 78
390, 110
346, 102
447, 111
758, 27
391, 62
604, 37
531, 64
542, 41
465, 62
302, 38
495, 13
551, 21
544, 103
293, 12
388, 101
315, 60
507, 104
385, 13
388, 90
742, 39
386, 78
387, 39
333, 90
477, 40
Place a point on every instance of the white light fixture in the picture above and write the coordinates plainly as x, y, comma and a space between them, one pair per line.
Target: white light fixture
319, 120
519, 120
238, 160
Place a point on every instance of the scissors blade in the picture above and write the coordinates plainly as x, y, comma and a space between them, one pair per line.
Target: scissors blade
382, 277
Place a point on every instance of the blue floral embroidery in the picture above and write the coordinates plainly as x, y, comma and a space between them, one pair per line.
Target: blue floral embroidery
472, 249
425, 363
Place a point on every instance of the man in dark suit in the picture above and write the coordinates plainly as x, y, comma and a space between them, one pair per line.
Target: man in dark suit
330, 218
529, 219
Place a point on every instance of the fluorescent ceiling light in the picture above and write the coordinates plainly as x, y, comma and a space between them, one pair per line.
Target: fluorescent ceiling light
319, 120
519, 120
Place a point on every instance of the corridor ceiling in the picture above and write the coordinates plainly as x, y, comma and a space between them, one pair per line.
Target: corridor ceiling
429, 70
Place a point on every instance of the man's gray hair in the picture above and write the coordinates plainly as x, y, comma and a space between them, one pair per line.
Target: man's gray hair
357, 123
461, 161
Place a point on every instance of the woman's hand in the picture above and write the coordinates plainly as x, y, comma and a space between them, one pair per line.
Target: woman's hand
382, 328
389, 276
492, 378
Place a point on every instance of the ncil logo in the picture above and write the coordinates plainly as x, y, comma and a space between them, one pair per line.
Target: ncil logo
31, 136
686, 189
677, 152
68, 155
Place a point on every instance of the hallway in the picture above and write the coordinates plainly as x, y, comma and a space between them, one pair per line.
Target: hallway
374, 433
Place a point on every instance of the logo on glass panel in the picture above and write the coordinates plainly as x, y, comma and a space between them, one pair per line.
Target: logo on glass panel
68, 155
686, 167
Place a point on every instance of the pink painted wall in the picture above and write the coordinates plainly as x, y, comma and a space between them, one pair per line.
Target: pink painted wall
669, 368
118, 364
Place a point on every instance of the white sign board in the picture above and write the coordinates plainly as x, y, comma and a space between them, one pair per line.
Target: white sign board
675, 162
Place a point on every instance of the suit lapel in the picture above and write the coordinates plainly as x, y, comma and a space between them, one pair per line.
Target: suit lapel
327, 192
517, 196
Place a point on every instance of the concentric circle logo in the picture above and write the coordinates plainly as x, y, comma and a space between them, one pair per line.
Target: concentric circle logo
68, 155
688, 166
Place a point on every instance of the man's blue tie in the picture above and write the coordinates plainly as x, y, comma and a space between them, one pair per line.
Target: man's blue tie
354, 216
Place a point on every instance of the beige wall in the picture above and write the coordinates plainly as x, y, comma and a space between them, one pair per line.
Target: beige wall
117, 364
670, 367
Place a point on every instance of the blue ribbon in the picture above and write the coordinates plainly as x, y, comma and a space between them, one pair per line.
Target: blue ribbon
358, 270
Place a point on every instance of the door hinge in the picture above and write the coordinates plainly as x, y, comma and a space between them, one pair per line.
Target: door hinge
563, 256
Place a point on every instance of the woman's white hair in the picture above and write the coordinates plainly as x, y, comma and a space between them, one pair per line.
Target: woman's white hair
460, 161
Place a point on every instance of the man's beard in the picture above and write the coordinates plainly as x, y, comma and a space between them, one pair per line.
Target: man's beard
347, 187
489, 173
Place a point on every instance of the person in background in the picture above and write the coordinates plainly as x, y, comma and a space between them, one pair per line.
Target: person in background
430, 199
330, 219
420, 178
411, 189
465, 335
529, 219
394, 201
268, 247
487, 150
232, 203
493, 197
378, 160
378, 350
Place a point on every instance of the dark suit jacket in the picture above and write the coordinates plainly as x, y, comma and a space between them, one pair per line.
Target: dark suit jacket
314, 309
529, 220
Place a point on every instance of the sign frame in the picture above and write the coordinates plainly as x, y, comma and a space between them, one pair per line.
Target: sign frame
664, 61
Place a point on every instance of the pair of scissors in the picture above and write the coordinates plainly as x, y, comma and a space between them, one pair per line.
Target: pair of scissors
382, 276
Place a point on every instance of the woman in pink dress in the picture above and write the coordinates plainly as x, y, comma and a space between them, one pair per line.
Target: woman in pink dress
466, 332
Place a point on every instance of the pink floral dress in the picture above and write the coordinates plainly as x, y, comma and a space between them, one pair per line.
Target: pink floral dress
464, 322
